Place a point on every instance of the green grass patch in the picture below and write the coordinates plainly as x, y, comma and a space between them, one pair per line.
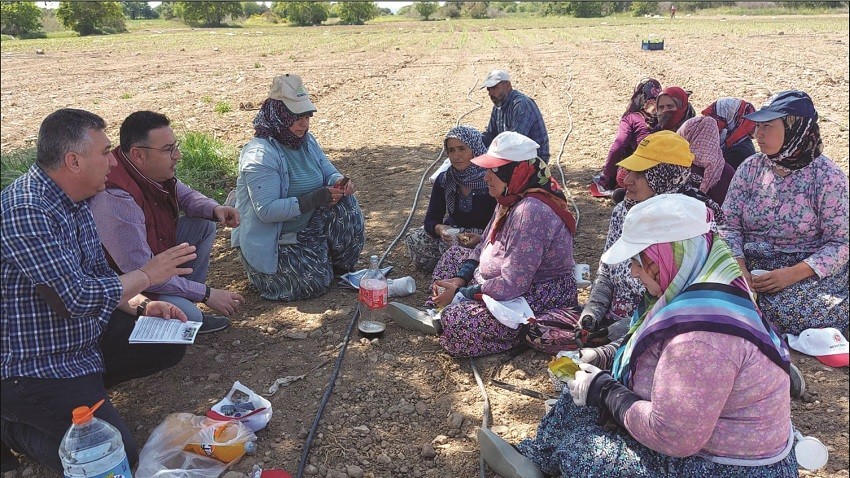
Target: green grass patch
125, 96
15, 163
222, 107
208, 164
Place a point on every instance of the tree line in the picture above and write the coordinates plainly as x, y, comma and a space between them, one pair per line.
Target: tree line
86, 18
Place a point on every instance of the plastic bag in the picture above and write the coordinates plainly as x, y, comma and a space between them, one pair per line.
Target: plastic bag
243, 404
163, 455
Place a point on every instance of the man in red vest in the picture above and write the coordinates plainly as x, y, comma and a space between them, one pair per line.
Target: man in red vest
139, 216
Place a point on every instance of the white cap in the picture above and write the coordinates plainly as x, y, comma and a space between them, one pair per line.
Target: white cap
495, 77
507, 147
659, 219
290, 89
826, 345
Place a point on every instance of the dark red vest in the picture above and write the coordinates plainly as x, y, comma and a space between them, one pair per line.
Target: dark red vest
158, 201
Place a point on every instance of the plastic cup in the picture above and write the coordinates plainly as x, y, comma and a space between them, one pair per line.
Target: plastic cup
452, 232
758, 272
811, 452
549, 404
401, 287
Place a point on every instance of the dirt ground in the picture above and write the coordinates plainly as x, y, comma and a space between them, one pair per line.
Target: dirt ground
386, 95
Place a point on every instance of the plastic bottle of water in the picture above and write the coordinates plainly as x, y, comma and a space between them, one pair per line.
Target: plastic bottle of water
374, 295
92, 448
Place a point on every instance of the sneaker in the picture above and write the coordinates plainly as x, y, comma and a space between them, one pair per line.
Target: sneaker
411, 318
503, 458
798, 383
214, 323
601, 189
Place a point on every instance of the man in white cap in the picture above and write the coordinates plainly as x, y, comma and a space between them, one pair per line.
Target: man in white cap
514, 111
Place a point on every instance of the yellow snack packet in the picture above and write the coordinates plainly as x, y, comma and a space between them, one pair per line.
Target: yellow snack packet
564, 368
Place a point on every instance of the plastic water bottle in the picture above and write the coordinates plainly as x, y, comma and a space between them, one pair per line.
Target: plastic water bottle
374, 294
92, 448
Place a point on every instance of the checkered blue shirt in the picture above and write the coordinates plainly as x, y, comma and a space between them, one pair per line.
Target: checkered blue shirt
50, 242
519, 113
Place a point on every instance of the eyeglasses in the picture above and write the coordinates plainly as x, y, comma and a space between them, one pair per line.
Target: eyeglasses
171, 149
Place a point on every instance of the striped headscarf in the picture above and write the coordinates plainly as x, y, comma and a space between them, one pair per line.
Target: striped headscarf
473, 176
703, 290
731, 124
704, 139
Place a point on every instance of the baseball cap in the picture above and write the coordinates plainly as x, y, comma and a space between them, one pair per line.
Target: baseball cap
290, 89
659, 219
826, 344
661, 147
784, 103
495, 77
507, 147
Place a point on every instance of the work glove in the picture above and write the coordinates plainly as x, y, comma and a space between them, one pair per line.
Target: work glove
310, 201
581, 383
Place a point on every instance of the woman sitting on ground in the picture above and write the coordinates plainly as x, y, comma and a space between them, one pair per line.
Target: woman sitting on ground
300, 220
635, 124
459, 200
736, 132
700, 386
672, 108
787, 213
526, 252
709, 173
660, 165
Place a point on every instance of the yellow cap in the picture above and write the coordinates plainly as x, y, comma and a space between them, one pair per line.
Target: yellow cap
661, 147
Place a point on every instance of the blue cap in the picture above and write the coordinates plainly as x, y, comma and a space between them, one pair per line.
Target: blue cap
784, 103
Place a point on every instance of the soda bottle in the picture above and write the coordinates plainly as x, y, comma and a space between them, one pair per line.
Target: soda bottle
374, 295
222, 447
93, 448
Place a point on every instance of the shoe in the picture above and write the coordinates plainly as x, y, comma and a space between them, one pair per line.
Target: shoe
798, 383
503, 458
601, 189
214, 323
411, 318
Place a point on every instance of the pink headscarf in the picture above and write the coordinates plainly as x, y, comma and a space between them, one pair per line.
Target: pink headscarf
704, 138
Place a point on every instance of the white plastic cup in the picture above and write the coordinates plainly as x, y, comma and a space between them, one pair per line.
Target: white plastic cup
758, 272
452, 232
581, 274
401, 287
811, 452
549, 404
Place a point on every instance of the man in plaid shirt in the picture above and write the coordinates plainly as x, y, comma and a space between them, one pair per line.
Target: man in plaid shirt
66, 316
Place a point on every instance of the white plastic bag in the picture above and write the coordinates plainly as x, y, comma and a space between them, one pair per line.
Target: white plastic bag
163, 455
247, 407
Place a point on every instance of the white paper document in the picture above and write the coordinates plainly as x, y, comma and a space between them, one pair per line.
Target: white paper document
156, 330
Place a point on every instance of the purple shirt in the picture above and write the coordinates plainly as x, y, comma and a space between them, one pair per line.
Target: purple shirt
533, 245
121, 226
806, 211
711, 393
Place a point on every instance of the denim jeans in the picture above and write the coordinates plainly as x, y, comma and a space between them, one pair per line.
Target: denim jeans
36, 412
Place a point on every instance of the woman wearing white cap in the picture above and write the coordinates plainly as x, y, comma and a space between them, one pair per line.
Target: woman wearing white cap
787, 213
700, 386
526, 252
300, 220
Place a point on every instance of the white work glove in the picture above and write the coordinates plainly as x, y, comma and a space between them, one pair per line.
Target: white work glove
589, 355
581, 384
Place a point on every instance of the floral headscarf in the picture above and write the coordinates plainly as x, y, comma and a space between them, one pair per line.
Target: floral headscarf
703, 290
531, 178
731, 124
802, 143
647, 89
671, 178
704, 139
684, 110
473, 176
273, 121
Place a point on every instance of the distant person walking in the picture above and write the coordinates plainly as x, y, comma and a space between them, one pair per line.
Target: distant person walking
514, 111
672, 11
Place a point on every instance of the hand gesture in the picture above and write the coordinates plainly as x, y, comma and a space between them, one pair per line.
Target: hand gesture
347, 188
468, 239
443, 291
336, 195
167, 263
580, 385
226, 215
166, 310
225, 302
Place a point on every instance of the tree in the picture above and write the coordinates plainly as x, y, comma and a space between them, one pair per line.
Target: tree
136, 10
249, 9
586, 9
86, 18
20, 17
302, 13
640, 9
165, 10
475, 9
426, 9
357, 13
210, 14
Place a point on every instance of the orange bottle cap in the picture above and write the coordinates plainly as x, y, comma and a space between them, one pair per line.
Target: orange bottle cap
84, 414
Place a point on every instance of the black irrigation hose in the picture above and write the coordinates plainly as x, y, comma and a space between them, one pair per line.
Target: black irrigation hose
306, 451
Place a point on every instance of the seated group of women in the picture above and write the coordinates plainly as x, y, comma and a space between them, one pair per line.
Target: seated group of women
675, 277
